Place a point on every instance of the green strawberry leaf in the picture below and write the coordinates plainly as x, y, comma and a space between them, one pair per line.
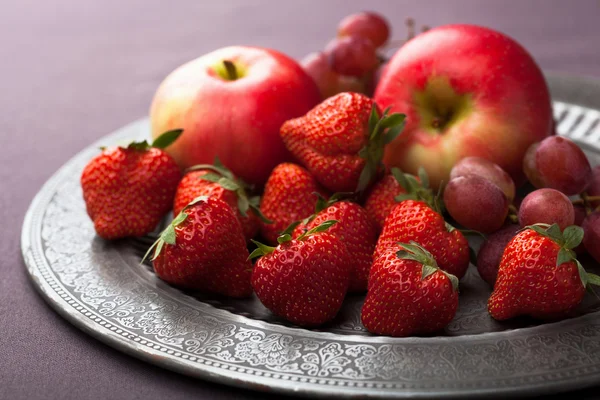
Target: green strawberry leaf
159, 248
139, 145
261, 250
573, 235
222, 169
168, 235
366, 175
259, 214
449, 227
593, 279
400, 178
211, 177
284, 238
392, 120
555, 234
254, 201
319, 228
413, 184
363, 153
414, 251
453, 280
392, 133
290, 228
428, 270
373, 119
404, 196
243, 204
320, 205
167, 138
564, 255
191, 203
582, 274
228, 184
423, 177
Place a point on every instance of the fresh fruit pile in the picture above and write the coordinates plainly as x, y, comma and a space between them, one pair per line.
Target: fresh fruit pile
304, 200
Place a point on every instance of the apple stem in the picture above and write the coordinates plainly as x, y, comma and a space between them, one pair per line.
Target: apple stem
231, 70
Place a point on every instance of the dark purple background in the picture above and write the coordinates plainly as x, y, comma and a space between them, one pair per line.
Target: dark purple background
72, 71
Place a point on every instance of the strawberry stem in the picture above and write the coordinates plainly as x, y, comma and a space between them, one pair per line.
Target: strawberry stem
382, 130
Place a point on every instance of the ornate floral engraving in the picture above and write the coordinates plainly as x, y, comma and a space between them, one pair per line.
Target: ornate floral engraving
101, 289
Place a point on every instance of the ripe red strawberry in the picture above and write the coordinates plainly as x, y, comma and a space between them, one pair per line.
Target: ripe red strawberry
303, 280
408, 293
216, 180
204, 249
355, 229
341, 141
414, 220
128, 190
289, 196
392, 188
539, 274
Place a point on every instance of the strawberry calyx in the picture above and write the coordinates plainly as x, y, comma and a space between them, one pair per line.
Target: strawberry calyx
322, 203
414, 251
286, 236
417, 188
568, 240
224, 177
163, 141
168, 235
382, 130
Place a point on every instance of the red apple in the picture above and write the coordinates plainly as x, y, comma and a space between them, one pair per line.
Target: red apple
231, 103
466, 91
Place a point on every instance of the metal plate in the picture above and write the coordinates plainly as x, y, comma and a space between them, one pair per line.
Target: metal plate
102, 288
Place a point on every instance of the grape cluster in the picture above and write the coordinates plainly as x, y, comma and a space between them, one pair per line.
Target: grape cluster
564, 189
350, 62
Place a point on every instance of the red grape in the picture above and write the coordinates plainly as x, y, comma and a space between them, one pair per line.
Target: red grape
546, 206
317, 66
486, 169
352, 55
476, 203
558, 163
591, 234
593, 188
491, 251
367, 25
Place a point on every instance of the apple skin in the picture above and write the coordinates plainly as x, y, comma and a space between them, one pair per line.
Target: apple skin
483, 91
236, 120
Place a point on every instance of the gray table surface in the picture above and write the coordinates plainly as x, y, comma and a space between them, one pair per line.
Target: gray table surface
72, 71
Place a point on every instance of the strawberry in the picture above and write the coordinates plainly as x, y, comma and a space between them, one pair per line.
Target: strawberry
303, 280
415, 220
408, 293
204, 249
539, 274
395, 186
216, 180
354, 228
289, 196
341, 141
128, 190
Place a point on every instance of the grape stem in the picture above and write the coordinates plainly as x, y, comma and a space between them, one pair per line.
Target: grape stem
513, 214
585, 199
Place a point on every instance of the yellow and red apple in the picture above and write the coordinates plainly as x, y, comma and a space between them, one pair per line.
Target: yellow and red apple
466, 91
231, 103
